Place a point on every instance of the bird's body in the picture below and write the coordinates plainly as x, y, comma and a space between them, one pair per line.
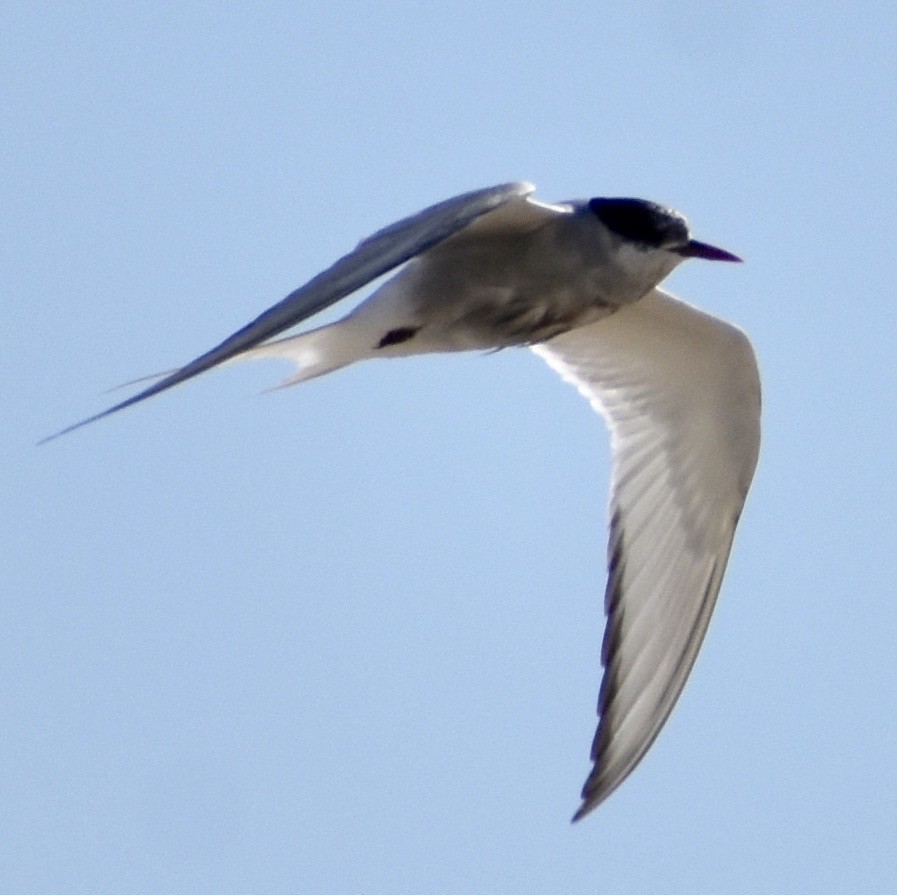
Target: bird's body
679, 389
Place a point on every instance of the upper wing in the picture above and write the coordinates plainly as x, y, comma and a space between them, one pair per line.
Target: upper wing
680, 392
373, 257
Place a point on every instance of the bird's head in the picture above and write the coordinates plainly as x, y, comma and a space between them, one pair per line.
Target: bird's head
649, 239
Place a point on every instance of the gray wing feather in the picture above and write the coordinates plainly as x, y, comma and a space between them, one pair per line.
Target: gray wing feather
378, 254
681, 394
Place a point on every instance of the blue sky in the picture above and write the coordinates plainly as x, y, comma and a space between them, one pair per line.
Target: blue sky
345, 638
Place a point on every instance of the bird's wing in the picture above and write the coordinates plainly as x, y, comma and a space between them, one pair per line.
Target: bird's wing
680, 392
371, 258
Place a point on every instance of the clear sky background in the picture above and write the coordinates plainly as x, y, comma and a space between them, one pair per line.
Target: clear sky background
345, 638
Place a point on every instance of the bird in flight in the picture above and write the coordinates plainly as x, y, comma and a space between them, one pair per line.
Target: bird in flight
577, 282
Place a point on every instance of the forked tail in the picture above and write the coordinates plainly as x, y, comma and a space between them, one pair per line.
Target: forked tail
318, 351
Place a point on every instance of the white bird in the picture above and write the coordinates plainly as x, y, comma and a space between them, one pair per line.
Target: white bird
678, 388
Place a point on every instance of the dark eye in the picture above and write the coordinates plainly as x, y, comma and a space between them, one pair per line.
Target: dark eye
638, 220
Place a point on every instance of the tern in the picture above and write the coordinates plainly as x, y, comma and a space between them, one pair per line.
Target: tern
679, 390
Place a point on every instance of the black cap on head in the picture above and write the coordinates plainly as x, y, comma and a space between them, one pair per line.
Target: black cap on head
641, 221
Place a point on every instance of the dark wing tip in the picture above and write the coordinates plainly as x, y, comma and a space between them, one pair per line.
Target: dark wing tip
594, 792
71, 428
168, 381
581, 812
146, 393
